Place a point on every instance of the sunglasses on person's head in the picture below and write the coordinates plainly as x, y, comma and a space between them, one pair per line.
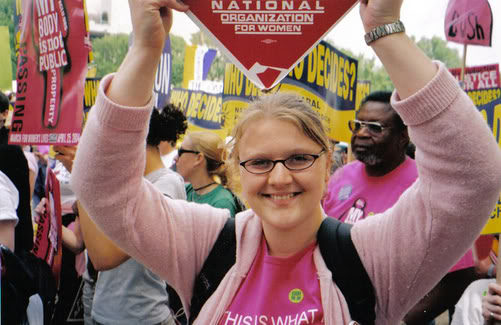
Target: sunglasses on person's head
180, 151
374, 128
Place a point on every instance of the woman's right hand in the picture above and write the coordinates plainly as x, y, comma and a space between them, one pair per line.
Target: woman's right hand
491, 303
152, 21
375, 13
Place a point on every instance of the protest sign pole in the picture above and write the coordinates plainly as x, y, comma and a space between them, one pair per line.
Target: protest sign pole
498, 281
463, 66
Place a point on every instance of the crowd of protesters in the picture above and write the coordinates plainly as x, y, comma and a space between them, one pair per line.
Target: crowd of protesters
144, 204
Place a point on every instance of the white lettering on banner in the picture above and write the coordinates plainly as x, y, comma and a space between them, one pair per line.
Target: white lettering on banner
53, 95
267, 17
51, 44
303, 318
485, 79
162, 77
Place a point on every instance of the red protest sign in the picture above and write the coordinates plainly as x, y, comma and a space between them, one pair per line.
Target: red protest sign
469, 22
266, 39
52, 64
479, 77
48, 239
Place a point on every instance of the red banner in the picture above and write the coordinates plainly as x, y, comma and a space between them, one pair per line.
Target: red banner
273, 36
48, 240
52, 64
479, 77
469, 22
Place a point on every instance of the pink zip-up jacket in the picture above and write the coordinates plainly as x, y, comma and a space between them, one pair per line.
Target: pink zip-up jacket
405, 250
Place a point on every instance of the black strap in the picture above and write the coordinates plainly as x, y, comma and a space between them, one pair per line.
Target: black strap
221, 258
348, 272
338, 252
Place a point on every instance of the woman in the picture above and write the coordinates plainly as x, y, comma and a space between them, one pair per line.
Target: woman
199, 160
282, 155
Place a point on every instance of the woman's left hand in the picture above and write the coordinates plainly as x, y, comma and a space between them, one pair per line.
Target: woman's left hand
66, 155
491, 303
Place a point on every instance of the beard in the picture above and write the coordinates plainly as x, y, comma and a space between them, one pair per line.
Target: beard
368, 158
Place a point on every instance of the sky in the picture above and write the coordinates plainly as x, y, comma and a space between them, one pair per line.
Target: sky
422, 18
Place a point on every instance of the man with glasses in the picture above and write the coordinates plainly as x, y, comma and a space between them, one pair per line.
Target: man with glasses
382, 171
373, 183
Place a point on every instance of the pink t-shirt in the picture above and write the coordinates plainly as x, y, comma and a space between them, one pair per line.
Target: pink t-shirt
353, 195
278, 291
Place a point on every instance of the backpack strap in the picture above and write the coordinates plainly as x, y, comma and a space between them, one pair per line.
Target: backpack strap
338, 252
348, 272
221, 258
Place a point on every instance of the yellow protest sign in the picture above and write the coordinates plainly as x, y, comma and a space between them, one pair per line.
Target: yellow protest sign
202, 110
5, 63
488, 102
493, 226
326, 78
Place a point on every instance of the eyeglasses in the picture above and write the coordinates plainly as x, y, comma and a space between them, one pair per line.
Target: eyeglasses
180, 151
294, 162
374, 128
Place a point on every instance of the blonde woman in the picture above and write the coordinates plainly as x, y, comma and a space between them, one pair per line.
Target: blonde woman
282, 155
200, 160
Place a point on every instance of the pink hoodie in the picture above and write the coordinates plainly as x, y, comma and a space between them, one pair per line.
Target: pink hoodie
406, 250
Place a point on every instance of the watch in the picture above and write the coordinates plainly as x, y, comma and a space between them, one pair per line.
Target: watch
384, 30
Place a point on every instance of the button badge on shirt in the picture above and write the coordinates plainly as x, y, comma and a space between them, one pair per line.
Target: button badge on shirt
296, 295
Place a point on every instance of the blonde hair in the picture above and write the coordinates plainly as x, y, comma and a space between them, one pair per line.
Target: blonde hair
283, 106
214, 151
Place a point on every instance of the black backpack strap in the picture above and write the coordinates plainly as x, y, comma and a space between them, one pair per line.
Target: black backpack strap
221, 258
239, 204
348, 272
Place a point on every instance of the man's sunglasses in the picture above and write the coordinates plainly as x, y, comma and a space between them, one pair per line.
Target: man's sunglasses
374, 128
180, 151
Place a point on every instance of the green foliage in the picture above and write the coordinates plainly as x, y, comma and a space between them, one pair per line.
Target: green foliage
6, 19
437, 49
109, 52
177, 45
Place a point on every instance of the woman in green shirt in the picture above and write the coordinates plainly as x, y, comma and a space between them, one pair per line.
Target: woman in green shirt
200, 159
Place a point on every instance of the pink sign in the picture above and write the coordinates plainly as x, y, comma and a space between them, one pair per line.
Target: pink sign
48, 239
480, 77
266, 39
52, 65
469, 22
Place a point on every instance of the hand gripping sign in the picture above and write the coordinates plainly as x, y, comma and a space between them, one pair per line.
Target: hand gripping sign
265, 39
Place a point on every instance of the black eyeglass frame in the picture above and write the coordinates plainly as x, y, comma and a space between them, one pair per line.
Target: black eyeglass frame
180, 151
368, 125
283, 161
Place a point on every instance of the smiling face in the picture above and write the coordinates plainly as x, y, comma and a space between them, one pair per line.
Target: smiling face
282, 198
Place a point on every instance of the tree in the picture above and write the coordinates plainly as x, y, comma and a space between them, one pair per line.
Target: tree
177, 45
437, 49
109, 52
6, 19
